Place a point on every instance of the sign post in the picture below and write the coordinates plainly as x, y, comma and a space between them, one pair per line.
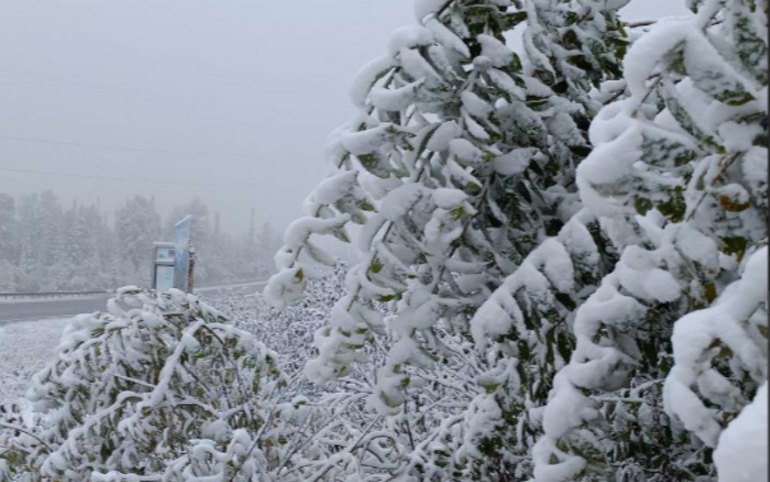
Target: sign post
182, 244
174, 263
163, 266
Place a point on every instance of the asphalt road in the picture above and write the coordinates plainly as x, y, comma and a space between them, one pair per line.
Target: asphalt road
34, 309
50, 308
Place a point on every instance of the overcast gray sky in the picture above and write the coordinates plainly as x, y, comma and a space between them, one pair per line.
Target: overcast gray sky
229, 100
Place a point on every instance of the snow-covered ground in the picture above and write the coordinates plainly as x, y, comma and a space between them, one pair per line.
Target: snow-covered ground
24, 349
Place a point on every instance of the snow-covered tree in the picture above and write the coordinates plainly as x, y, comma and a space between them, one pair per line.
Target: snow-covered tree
8, 243
466, 159
464, 156
39, 238
49, 229
8, 235
137, 226
677, 178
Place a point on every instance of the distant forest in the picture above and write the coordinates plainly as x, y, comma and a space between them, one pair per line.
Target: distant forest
46, 247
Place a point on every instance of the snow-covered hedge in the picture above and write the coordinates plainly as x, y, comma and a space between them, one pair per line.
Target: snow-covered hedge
161, 386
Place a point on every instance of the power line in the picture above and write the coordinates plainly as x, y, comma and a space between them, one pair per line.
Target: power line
126, 148
124, 89
126, 179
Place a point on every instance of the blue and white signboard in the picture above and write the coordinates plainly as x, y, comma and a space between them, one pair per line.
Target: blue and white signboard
163, 266
182, 253
164, 277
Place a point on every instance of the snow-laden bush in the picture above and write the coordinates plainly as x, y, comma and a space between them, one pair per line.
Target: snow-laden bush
283, 429
161, 386
344, 438
290, 330
676, 179
460, 163
460, 171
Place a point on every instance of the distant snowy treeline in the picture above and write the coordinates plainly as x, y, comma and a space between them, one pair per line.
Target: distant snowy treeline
45, 246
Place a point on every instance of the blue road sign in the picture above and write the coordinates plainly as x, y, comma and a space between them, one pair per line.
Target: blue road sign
182, 252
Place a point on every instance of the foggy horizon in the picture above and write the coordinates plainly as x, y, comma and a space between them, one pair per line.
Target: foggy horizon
230, 102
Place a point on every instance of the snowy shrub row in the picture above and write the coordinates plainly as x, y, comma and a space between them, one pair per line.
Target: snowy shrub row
162, 386
587, 212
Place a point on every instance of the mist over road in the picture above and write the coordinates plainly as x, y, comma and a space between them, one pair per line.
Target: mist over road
45, 308
27, 310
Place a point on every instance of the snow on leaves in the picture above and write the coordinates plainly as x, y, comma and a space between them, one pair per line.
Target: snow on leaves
733, 328
160, 385
666, 174
536, 299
